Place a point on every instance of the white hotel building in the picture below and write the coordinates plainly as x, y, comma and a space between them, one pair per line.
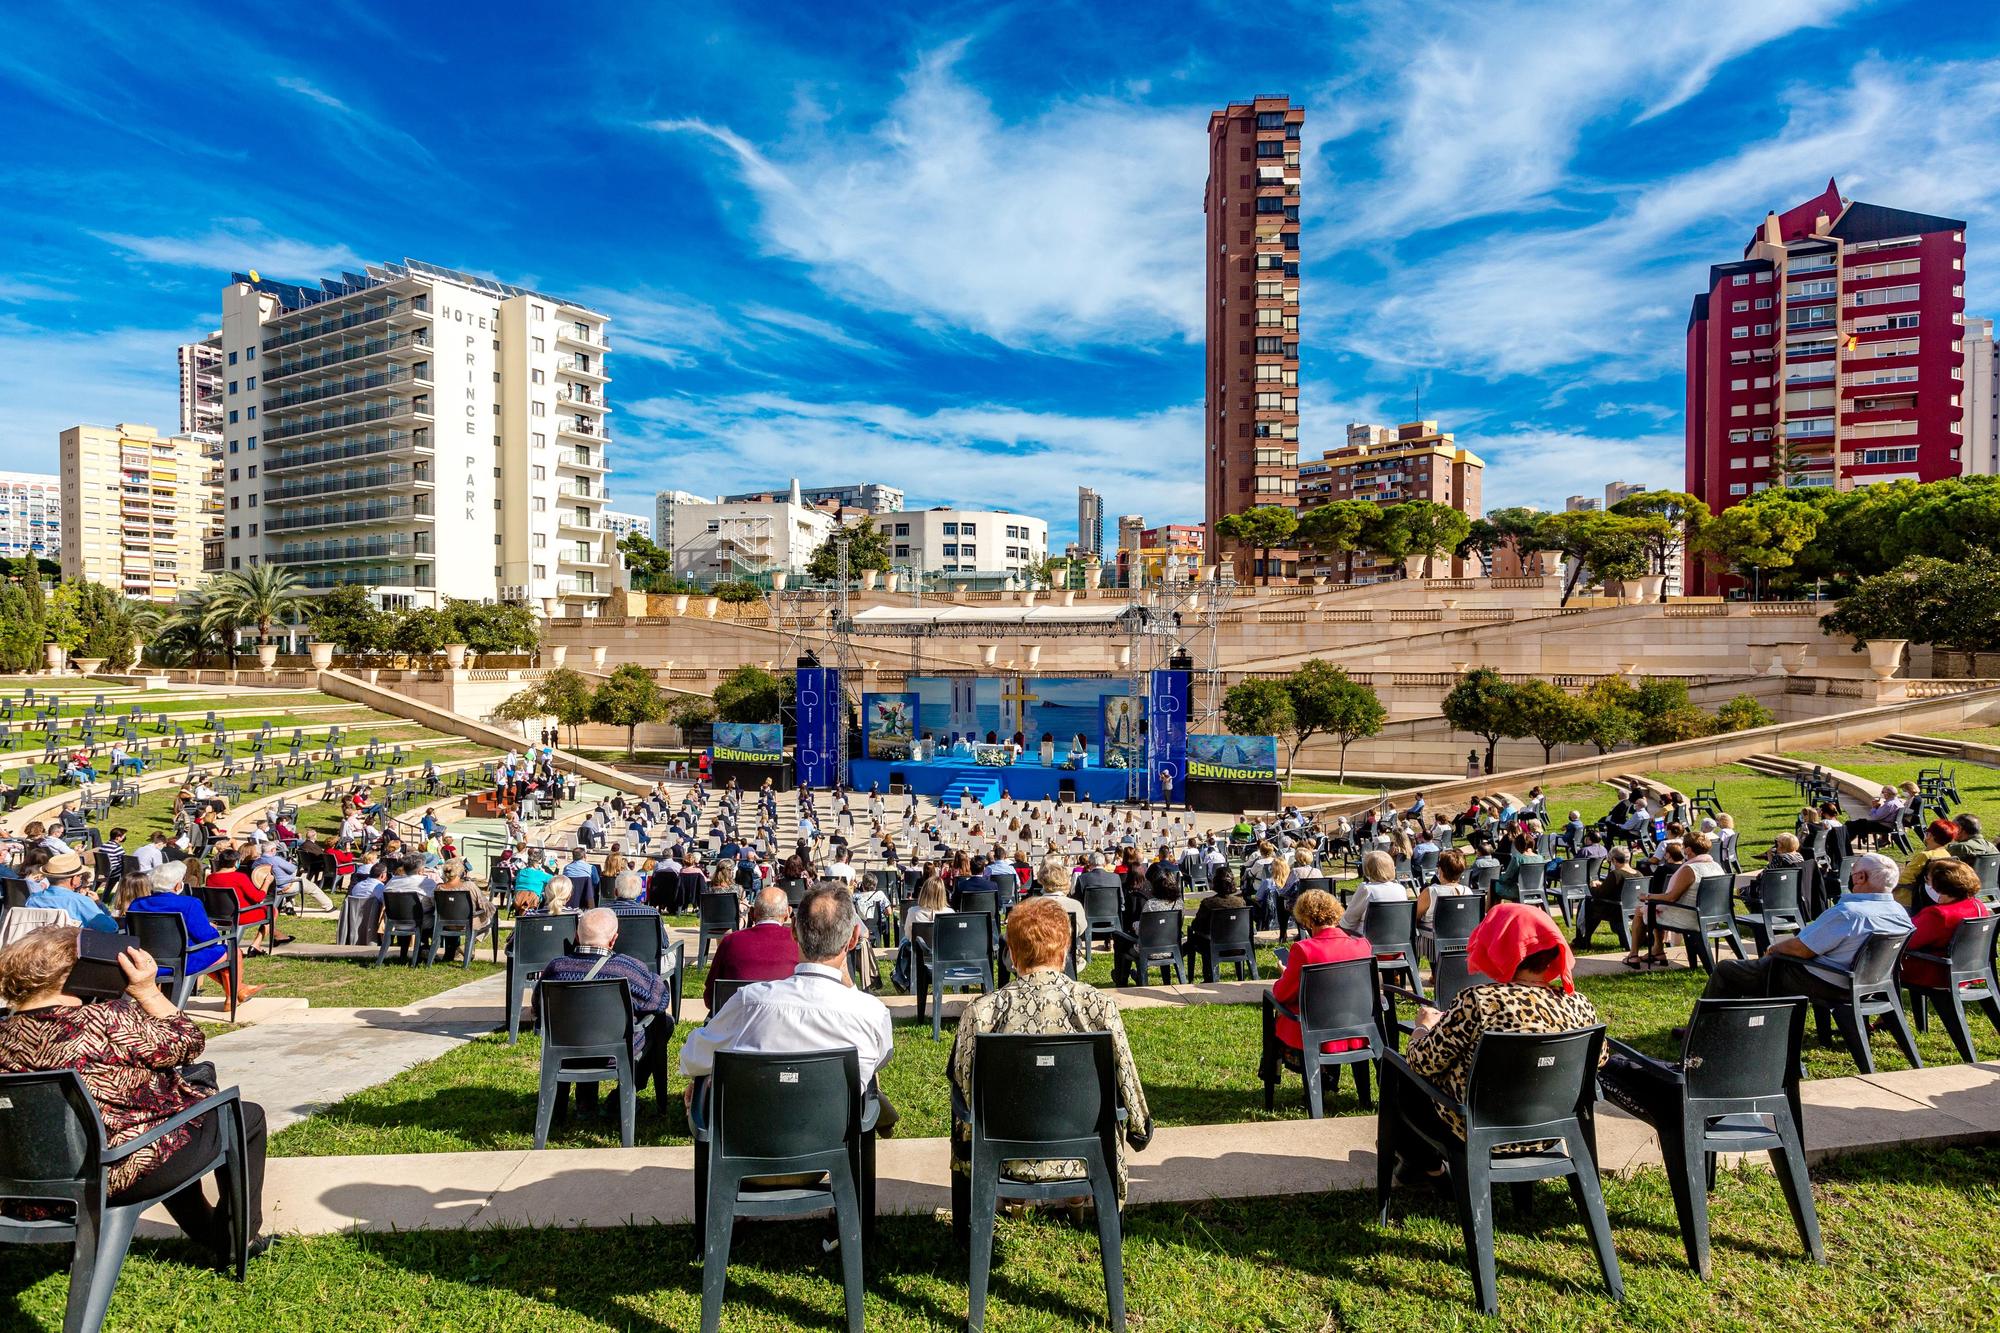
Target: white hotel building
422, 432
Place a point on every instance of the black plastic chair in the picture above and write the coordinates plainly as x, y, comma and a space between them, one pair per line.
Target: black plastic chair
1598, 911
642, 937
453, 921
1572, 888
52, 1147
1336, 1002
780, 1115
1987, 866
1739, 1075
721, 913
720, 989
586, 1030
1100, 913
1778, 907
1230, 940
1969, 967
1530, 877
1872, 992
1390, 929
403, 919
1713, 907
164, 935
1156, 943
537, 941
1522, 1087
1041, 1097
956, 950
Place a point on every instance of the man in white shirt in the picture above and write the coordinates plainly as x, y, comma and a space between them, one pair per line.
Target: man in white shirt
817, 1008
841, 869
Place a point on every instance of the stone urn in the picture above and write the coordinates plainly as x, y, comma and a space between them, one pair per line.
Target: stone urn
1069, 597
779, 578
1125, 656
894, 581
597, 657
1028, 599
54, 655
869, 578
1792, 658
267, 655
558, 655
88, 666
1460, 668
1765, 660
1650, 586
548, 608
1450, 604
989, 653
1885, 656
1093, 575
709, 607
1628, 668
1034, 656
322, 656
680, 603
454, 656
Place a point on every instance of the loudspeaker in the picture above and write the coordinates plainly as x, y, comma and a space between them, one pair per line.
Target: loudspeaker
897, 782
1065, 789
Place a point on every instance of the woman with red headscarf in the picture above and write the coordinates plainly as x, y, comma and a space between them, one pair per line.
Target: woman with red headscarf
1529, 965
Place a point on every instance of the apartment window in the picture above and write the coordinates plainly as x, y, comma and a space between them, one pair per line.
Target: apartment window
232, 416
253, 529
1740, 331
232, 446
1738, 307
232, 388
534, 377
538, 540
951, 550
539, 440
1739, 410
1763, 303
1761, 460
1736, 462
951, 529
232, 474
1270, 374
539, 312
1902, 322
1763, 330
540, 473
250, 384
541, 505
1739, 437
250, 413
1874, 456
1271, 148
1760, 434
968, 529
537, 408
1739, 384
232, 358
1739, 279
903, 552
1738, 488
250, 445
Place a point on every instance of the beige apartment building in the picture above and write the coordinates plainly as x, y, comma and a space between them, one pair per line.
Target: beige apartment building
135, 508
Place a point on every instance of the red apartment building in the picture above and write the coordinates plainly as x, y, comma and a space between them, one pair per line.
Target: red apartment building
1251, 393
1831, 354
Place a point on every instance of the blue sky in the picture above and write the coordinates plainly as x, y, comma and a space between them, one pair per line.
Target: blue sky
958, 248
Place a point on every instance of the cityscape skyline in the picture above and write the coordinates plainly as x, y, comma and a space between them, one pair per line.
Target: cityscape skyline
762, 336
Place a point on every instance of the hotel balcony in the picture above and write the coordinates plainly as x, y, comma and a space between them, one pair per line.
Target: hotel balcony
324, 553
355, 482
567, 521
583, 430
413, 343
581, 397
348, 516
584, 559
386, 445
409, 411
583, 491
582, 460
401, 310
348, 385
589, 369
593, 341
580, 588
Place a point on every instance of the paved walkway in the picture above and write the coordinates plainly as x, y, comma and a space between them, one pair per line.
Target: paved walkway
606, 1187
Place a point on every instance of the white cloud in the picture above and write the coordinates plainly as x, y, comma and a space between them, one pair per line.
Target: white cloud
679, 331
1530, 466
1610, 298
1487, 116
1080, 225
983, 455
238, 244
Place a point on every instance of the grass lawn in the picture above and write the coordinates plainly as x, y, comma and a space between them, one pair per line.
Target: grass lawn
1977, 783
1907, 1234
1974, 735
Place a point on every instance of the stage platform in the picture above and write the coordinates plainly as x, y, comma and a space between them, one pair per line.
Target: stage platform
947, 780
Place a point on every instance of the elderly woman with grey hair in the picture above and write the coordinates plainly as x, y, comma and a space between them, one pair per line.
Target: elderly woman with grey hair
1816, 962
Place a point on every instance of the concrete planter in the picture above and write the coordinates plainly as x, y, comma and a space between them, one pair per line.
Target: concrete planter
54, 656
1028, 600
558, 655
708, 608
267, 655
680, 604
895, 581
454, 656
1885, 656
548, 608
779, 578
869, 578
597, 657
1034, 656
89, 666
1650, 586
1792, 658
989, 653
1093, 576
322, 656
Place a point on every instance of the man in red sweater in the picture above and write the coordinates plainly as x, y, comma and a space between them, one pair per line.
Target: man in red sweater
765, 950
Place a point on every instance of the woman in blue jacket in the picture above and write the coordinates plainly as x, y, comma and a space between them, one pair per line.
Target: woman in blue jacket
136, 893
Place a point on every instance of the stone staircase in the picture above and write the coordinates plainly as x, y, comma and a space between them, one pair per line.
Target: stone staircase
981, 784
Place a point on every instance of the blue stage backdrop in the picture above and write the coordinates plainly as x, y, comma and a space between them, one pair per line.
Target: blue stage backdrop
749, 742
1166, 740
819, 705
958, 706
1068, 706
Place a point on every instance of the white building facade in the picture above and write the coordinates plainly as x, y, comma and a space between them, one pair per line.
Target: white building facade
30, 515
201, 386
1981, 453
425, 433
719, 541
965, 541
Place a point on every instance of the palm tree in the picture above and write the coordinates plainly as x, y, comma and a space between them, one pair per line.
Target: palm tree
190, 632
262, 595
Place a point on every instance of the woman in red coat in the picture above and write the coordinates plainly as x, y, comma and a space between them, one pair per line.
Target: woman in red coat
1956, 888
1321, 941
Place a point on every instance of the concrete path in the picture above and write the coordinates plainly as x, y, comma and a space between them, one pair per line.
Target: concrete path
605, 1187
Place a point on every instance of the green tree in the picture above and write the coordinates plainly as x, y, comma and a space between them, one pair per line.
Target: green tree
493, 627
1948, 519
565, 696
691, 710
1327, 701
1543, 711
1339, 527
630, 697
1263, 529
1258, 708
750, 694
192, 632
522, 706
1518, 528
867, 548
422, 631
1743, 713
348, 618
644, 557
91, 620
1611, 547
1760, 535
1667, 714
1426, 528
737, 591
1611, 713
1681, 516
1954, 604
21, 616
261, 597
1481, 705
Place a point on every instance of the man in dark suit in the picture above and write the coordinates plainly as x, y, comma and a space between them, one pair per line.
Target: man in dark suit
765, 950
